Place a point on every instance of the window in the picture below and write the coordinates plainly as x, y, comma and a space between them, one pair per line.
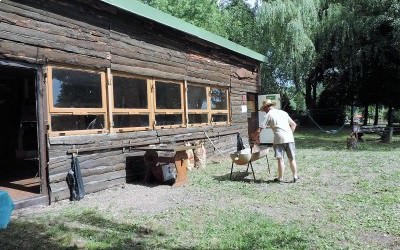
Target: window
198, 108
131, 109
219, 105
168, 104
80, 102
77, 101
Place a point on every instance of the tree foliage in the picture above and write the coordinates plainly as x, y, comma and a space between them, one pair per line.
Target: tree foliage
202, 13
287, 31
348, 48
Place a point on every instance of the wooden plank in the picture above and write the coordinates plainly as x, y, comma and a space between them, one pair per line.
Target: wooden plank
162, 57
109, 176
90, 161
83, 33
146, 72
129, 137
88, 172
208, 63
27, 53
63, 194
43, 39
125, 41
71, 14
130, 61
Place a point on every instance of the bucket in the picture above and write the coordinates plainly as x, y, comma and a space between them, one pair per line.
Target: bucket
6, 208
242, 157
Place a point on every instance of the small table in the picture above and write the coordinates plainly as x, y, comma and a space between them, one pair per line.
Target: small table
180, 159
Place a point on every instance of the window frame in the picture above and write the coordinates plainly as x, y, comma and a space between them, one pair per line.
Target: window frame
129, 111
107, 109
168, 111
75, 111
199, 111
221, 111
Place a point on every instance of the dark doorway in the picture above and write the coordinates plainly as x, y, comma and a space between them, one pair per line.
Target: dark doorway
19, 161
252, 113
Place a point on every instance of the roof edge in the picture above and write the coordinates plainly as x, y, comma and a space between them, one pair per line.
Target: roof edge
144, 10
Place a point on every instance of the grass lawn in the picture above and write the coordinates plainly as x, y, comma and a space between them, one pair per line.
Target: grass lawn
343, 200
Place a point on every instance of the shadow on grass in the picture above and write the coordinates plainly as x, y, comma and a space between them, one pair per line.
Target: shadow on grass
88, 230
80, 231
241, 176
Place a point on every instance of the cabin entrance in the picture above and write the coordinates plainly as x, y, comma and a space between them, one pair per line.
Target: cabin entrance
19, 154
252, 113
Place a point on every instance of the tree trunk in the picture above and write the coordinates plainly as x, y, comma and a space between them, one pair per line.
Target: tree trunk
308, 94
376, 114
352, 115
314, 96
366, 115
390, 116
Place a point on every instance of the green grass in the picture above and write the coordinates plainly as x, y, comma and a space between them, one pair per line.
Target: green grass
344, 200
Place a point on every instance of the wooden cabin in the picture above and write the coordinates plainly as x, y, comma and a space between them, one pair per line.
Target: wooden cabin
102, 77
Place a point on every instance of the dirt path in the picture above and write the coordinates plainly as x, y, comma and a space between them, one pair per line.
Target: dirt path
136, 199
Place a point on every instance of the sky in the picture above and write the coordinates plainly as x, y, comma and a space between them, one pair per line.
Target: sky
251, 2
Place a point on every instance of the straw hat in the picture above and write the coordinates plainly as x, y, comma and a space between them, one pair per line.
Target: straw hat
268, 103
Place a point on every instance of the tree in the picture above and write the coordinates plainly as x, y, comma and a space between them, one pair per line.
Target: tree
239, 23
202, 13
287, 30
343, 47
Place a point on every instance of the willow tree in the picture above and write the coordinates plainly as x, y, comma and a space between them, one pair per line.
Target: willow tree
287, 29
361, 41
381, 52
338, 63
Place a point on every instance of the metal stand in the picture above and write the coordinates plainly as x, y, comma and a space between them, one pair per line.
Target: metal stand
247, 170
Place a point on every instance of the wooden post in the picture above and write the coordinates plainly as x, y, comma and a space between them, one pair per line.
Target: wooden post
181, 162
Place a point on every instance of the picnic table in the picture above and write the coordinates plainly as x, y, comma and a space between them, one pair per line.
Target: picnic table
385, 132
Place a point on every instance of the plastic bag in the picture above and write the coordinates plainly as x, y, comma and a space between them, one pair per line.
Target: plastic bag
169, 172
200, 156
190, 155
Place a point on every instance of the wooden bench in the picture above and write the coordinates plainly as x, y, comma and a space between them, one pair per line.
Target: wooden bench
386, 133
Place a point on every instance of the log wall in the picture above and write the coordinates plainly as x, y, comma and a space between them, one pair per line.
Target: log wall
90, 34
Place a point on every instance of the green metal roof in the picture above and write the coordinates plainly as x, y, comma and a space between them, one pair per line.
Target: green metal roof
141, 9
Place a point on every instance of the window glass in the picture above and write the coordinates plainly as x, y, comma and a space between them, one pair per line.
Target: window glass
125, 121
76, 89
219, 118
219, 99
129, 92
168, 119
79, 102
168, 95
197, 97
198, 118
76, 122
